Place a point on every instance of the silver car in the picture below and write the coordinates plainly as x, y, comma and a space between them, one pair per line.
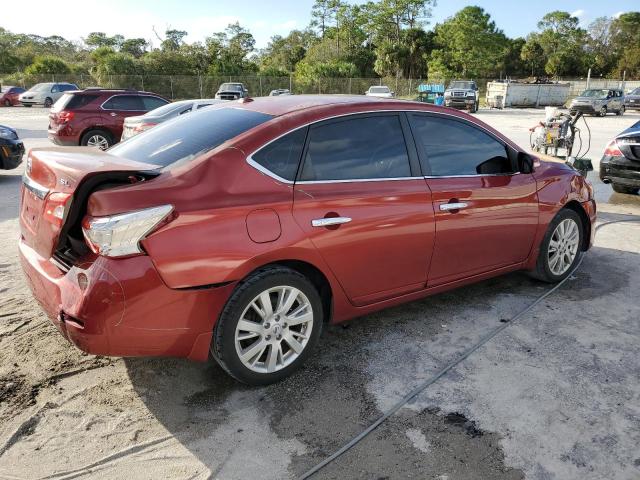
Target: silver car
381, 91
45, 94
599, 101
135, 125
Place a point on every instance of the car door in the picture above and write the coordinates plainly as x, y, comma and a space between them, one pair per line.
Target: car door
119, 107
361, 200
486, 211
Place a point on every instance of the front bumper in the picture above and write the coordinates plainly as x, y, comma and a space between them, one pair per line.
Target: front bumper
584, 108
459, 102
121, 307
11, 153
633, 104
620, 170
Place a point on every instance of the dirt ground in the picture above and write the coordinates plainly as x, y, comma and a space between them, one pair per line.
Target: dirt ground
556, 395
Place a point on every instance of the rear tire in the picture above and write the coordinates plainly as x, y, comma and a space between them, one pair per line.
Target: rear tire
621, 111
269, 326
97, 138
26, 105
623, 189
7, 103
561, 247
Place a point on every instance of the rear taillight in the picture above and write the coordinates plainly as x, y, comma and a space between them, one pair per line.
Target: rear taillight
56, 207
120, 235
612, 149
143, 126
65, 116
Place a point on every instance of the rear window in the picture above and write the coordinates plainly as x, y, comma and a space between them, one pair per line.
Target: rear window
70, 101
151, 103
188, 137
166, 109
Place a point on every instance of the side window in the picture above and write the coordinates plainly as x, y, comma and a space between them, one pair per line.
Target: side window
456, 148
202, 105
124, 102
358, 148
282, 156
151, 103
55, 89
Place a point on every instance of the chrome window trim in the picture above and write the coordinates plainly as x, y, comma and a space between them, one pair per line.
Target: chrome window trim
249, 159
34, 187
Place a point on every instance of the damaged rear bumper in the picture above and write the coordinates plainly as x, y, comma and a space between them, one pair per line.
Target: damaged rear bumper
122, 308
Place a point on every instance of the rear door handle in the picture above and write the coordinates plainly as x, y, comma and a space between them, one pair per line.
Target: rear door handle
453, 206
328, 221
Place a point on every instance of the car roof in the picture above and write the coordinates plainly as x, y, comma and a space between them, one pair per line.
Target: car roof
282, 105
113, 91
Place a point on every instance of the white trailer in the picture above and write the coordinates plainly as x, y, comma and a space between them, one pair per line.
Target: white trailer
528, 94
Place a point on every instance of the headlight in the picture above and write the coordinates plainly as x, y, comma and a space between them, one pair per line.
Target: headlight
471, 94
8, 134
447, 94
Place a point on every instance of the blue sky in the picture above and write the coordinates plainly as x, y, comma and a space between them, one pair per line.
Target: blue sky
136, 18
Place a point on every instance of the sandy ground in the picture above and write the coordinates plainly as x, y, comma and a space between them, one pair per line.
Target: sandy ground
554, 396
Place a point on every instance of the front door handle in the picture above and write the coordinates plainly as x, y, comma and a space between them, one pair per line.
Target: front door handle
328, 221
113, 114
453, 206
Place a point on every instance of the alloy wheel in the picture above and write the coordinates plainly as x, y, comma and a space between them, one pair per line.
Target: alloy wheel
99, 141
563, 246
603, 111
274, 329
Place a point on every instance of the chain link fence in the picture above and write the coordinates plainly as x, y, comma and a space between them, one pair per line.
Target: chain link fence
176, 87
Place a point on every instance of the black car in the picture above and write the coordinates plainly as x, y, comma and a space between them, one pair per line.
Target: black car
11, 148
232, 91
632, 100
620, 164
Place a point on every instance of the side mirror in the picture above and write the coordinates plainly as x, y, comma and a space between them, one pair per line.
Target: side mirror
525, 162
582, 165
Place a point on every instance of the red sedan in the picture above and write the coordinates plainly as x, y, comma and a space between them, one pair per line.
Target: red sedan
9, 96
240, 229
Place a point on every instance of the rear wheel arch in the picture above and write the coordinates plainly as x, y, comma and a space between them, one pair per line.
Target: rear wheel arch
309, 271
93, 127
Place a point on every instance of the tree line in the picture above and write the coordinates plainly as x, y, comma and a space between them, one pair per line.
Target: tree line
377, 38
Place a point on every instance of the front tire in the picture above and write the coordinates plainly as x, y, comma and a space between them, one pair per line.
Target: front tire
48, 102
621, 111
623, 189
561, 247
269, 326
603, 111
7, 103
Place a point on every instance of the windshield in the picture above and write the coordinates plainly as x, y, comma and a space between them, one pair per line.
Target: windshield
462, 85
635, 92
595, 93
5, 89
189, 136
379, 90
41, 87
234, 87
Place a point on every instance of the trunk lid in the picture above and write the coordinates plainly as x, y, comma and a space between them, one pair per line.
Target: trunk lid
53, 171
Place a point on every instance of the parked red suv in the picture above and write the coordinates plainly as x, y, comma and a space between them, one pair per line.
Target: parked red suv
239, 229
94, 117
